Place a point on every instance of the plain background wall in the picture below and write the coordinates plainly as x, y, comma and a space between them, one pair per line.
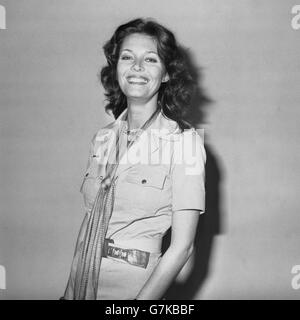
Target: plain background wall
52, 103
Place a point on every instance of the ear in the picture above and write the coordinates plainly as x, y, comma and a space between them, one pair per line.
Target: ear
165, 78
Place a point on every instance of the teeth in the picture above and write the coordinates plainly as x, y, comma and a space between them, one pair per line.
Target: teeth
137, 80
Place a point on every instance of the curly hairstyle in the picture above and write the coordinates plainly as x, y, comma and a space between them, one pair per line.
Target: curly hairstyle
175, 95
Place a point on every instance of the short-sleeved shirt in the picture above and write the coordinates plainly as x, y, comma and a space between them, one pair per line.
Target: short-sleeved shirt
162, 172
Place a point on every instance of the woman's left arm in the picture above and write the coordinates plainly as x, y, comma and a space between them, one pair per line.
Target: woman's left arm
188, 202
184, 225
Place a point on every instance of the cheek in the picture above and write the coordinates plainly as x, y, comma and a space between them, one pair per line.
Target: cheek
157, 74
120, 75
122, 67
119, 71
156, 78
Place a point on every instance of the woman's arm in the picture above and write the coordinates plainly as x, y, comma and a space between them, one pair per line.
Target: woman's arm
184, 226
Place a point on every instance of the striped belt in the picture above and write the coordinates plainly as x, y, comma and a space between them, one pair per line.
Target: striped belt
135, 257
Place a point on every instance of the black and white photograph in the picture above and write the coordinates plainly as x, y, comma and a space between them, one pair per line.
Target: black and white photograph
149, 150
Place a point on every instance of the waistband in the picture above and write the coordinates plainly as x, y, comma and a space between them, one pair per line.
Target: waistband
145, 244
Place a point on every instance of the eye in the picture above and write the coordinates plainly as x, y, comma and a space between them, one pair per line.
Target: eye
125, 57
152, 60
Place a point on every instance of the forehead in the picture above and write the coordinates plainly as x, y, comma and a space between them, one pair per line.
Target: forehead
139, 42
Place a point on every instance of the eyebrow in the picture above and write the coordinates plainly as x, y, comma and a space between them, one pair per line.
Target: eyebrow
149, 51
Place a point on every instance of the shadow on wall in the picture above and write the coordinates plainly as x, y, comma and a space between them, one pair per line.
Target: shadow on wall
210, 223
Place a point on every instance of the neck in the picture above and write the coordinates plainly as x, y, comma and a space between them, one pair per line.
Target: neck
139, 113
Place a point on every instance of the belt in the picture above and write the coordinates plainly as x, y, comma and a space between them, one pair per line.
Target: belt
135, 257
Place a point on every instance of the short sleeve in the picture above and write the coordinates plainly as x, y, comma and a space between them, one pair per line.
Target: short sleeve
89, 160
91, 150
188, 172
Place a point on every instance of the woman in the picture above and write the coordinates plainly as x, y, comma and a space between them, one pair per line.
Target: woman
145, 172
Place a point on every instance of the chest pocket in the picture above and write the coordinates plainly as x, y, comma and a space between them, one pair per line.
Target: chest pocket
147, 177
91, 182
94, 171
143, 188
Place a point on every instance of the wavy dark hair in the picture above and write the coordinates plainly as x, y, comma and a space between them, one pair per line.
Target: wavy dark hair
175, 95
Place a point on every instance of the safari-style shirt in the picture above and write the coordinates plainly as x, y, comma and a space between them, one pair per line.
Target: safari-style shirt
162, 172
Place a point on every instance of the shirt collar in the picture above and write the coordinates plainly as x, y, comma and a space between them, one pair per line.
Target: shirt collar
162, 127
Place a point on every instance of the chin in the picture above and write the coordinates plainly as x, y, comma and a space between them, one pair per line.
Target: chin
135, 94
137, 97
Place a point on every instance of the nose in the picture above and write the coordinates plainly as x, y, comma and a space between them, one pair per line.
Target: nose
137, 66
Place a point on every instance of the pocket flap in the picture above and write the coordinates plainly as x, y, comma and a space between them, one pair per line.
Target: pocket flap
147, 178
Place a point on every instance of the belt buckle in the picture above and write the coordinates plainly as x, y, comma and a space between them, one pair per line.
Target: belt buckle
107, 241
134, 257
138, 258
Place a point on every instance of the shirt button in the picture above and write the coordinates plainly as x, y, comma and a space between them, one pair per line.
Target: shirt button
144, 181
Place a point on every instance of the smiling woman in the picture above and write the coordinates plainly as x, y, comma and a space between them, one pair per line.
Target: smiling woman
140, 70
130, 205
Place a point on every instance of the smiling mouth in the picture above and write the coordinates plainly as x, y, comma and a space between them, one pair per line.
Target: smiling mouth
137, 80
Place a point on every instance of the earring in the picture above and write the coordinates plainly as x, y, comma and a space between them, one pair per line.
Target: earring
165, 78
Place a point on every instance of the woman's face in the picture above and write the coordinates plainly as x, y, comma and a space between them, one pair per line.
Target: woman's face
140, 71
